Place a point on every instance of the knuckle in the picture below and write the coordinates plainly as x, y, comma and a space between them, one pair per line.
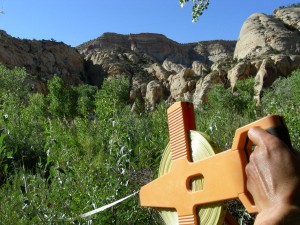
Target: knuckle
249, 186
248, 169
252, 157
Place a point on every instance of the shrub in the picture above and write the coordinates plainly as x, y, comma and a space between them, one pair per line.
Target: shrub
283, 98
225, 111
12, 81
85, 99
62, 162
62, 99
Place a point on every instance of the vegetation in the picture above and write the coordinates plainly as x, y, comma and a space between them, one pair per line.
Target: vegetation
79, 148
198, 7
294, 5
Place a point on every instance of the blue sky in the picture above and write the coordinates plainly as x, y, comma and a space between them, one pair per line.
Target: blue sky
77, 21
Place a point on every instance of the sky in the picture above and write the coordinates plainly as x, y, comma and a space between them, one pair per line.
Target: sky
77, 21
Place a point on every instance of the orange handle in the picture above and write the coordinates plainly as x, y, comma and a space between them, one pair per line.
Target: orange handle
172, 190
181, 120
275, 125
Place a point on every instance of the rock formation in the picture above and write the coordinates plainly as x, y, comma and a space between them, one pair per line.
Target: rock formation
263, 35
159, 48
269, 47
162, 69
151, 57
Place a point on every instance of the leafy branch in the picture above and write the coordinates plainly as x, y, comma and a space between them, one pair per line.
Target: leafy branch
198, 8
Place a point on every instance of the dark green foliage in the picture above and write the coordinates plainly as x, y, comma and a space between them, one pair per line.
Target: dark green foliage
239, 102
85, 99
62, 99
112, 96
294, 5
79, 148
75, 149
25, 129
19, 120
5, 157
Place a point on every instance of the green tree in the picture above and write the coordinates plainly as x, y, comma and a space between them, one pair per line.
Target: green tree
85, 99
62, 99
12, 82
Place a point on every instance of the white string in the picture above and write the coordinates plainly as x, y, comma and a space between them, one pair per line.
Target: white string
105, 206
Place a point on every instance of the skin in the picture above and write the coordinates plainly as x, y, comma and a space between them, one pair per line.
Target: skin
273, 179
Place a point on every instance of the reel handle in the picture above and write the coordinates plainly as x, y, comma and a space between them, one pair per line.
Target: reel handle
275, 125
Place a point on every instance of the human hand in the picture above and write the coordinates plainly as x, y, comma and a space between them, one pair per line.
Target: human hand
273, 179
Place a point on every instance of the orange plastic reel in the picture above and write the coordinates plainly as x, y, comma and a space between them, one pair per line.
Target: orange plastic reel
224, 173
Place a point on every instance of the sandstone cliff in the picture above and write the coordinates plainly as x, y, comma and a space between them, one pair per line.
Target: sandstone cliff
263, 34
268, 47
162, 69
159, 48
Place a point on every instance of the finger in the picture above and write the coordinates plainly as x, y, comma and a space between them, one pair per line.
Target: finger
265, 140
257, 135
252, 184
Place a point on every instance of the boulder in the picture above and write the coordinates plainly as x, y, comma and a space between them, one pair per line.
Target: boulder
154, 93
181, 83
200, 68
289, 15
159, 71
283, 64
264, 35
202, 87
295, 62
239, 72
132, 57
220, 68
172, 67
265, 76
138, 90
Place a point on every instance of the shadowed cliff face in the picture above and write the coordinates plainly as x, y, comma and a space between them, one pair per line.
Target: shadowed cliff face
43, 59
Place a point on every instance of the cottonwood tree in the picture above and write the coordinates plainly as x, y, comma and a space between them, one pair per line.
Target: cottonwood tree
198, 7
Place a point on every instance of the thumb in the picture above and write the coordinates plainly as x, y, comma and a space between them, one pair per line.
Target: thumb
257, 135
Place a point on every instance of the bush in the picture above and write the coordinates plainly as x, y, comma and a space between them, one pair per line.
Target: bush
81, 162
80, 148
62, 99
225, 111
283, 98
86, 98
12, 81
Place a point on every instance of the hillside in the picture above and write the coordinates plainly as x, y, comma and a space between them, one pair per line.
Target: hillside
84, 127
162, 69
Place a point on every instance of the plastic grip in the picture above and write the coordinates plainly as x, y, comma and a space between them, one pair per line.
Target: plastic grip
275, 125
282, 133
171, 189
